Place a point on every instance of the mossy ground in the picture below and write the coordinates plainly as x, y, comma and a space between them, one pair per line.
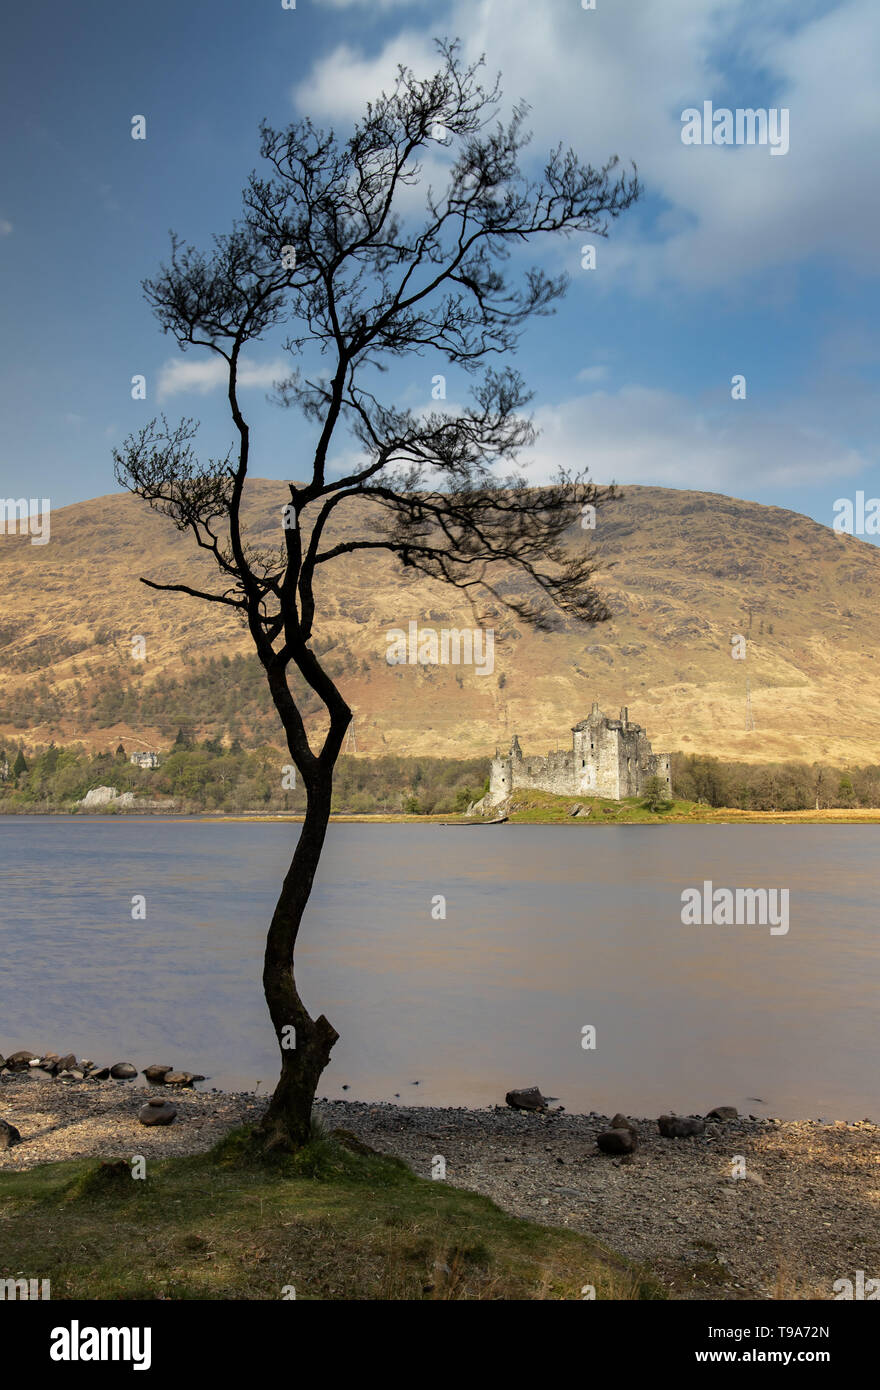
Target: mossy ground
330, 1223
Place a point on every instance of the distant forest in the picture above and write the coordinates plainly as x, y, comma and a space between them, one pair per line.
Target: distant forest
218, 775
210, 776
773, 786
232, 688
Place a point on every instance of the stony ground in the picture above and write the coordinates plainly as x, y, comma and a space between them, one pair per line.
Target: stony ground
806, 1214
59, 1119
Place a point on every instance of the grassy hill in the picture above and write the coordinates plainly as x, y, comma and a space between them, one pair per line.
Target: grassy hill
683, 572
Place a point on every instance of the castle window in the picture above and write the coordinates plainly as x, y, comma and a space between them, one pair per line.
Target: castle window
583, 762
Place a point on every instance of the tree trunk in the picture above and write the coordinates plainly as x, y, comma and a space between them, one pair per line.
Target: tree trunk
305, 1043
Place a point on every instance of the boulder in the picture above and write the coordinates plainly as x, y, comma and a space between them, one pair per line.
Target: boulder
50, 1061
680, 1126
123, 1071
66, 1063
99, 796
9, 1135
528, 1098
618, 1141
41, 1074
182, 1078
20, 1061
723, 1112
157, 1112
99, 1074
156, 1074
621, 1122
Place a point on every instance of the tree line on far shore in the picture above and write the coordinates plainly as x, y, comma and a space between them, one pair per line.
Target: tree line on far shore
774, 786
213, 775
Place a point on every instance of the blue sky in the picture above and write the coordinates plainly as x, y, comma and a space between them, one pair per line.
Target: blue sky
736, 261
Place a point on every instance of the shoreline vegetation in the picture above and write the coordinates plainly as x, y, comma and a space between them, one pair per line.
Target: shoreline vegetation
217, 780
682, 814
529, 1208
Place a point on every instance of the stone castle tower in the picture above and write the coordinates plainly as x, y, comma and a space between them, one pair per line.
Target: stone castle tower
608, 757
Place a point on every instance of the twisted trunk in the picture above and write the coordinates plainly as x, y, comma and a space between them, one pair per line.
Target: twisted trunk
305, 1053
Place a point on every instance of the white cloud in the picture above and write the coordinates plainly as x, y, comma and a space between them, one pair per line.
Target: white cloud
641, 434
179, 375
615, 80
341, 84
5, 227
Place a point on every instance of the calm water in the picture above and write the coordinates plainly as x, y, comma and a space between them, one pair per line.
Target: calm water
547, 929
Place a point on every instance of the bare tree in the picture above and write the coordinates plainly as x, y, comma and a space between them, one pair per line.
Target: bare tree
327, 247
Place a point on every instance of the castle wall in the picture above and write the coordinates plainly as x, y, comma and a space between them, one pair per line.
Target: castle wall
608, 770
660, 765
555, 773
610, 758
500, 780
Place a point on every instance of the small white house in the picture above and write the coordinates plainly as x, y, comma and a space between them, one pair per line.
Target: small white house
144, 759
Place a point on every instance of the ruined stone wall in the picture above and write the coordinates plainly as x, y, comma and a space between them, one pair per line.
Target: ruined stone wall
631, 761
608, 763
659, 765
555, 773
585, 760
500, 780
609, 757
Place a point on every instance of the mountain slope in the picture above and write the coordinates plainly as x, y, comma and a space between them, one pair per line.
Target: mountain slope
683, 572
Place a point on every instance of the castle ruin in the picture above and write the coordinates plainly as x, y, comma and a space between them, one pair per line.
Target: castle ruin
608, 757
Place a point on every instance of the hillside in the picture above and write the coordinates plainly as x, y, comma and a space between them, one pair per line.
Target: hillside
683, 571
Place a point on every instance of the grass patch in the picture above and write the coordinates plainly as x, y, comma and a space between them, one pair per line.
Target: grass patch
537, 807
331, 1222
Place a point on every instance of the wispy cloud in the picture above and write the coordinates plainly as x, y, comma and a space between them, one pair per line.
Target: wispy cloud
591, 374
729, 212
641, 434
178, 376
5, 227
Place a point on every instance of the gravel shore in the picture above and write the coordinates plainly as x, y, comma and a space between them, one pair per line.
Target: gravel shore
81, 1119
804, 1215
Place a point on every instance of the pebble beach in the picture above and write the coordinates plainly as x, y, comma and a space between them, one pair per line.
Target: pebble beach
804, 1213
